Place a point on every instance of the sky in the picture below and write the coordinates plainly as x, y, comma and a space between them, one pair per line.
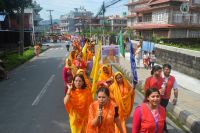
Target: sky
62, 7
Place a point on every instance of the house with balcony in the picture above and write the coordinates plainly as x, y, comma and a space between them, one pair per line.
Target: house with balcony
117, 23
164, 18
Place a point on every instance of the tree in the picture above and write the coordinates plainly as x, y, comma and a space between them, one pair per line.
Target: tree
13, 6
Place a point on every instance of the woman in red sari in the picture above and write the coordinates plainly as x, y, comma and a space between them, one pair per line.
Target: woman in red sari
67, 74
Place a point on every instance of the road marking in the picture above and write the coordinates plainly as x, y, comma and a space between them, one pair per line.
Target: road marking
44, 89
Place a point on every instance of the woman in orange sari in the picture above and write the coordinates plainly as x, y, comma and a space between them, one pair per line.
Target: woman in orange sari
123, 94
87, 81
79, 62
77, 101
103, 114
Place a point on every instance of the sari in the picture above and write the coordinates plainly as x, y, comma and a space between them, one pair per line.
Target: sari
79, 64
105, 76
77, 107
72, 55
72, 67
105, 79
87, 81
108, 124
123, 95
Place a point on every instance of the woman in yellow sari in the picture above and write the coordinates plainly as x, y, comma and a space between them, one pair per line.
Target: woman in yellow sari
105, 76
123, 94
69, 64
77, 101
72, 55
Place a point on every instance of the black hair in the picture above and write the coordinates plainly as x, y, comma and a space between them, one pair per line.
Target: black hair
82, 77
155, 68
168, 66
104, 90
150, 91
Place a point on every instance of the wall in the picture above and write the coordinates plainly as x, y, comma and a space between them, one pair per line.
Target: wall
182, 60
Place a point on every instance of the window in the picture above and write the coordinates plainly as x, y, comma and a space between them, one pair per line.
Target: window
194, 18
178, 18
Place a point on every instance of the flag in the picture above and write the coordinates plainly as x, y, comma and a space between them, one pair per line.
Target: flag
84, 51
95, 69
133, 65
121, 44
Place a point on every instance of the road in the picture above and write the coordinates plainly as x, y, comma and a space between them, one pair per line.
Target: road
31, 101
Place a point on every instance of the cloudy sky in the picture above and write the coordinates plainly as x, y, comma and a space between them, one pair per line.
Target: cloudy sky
61, 7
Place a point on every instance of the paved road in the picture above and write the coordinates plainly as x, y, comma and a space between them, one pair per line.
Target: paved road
31, 101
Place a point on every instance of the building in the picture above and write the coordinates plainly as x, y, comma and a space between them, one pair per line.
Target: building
36, 28
75, 20
117, 23
164, 18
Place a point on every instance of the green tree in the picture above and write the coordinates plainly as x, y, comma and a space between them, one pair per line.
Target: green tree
17, 7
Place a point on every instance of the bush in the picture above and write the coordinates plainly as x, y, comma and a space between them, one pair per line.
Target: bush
13, 60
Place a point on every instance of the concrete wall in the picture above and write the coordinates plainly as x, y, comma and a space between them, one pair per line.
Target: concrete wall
182, 60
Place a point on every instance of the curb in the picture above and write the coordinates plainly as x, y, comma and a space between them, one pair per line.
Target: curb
184, 116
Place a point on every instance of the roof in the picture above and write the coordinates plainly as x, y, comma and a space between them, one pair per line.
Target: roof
142, 26
163, 1
132, 15
150, 26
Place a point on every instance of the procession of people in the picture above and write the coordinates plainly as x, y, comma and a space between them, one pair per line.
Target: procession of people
107, 109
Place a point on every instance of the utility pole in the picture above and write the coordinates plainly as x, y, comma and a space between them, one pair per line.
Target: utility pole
103, 12
51, 19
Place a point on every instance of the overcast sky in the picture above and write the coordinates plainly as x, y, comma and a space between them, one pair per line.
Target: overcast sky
61, 7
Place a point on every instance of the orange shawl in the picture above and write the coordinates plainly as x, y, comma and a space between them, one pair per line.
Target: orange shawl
108, 124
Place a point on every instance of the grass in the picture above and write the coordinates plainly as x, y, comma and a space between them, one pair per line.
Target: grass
12, 60
195, 47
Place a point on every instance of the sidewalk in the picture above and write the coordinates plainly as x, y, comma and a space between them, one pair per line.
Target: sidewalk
187, 110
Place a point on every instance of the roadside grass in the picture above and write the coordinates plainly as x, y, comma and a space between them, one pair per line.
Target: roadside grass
12, 60
195, 47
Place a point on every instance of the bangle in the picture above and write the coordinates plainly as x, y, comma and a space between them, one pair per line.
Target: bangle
67, 93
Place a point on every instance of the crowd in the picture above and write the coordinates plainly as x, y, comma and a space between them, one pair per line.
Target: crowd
108, 109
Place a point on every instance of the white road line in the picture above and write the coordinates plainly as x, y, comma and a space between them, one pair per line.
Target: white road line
44, 89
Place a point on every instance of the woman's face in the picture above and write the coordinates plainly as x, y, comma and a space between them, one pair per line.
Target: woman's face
119, 78
111, 52
78, 57
102, 98
154, 99
78, 82
105, 70
158, 73
69, 63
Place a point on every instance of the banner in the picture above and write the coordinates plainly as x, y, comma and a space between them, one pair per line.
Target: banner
110, 54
